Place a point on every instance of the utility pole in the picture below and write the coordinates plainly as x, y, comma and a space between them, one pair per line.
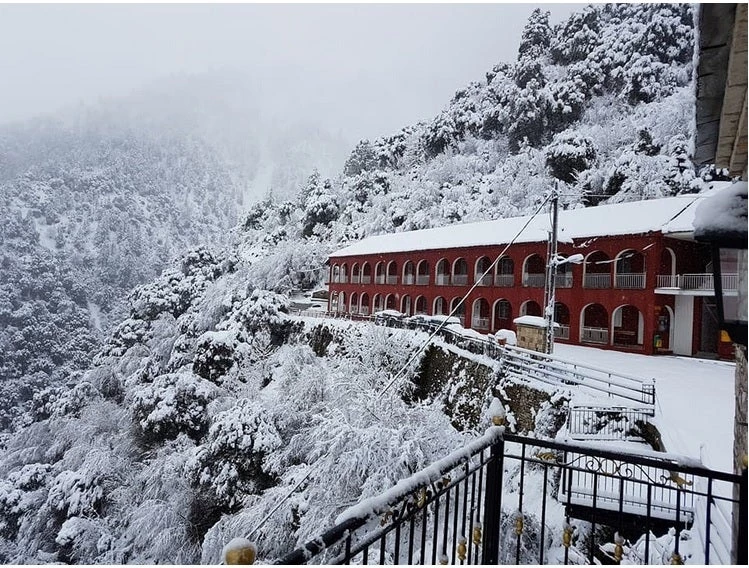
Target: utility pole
551, 271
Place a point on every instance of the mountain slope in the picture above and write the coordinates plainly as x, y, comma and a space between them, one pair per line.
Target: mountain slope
208, 404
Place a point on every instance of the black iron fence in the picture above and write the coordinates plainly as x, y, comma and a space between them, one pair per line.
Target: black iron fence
607, 422
508, 499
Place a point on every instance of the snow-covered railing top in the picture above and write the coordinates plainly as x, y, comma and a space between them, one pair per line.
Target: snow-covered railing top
455, 505
558, 370
667, 215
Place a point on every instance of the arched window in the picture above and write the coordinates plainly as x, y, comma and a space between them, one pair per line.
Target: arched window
392, 276
482, 265
344, 273
597, 270
505, 276
380, 273
667, 269
336, 274
534, 271
355, 273
377, 303
422, 273
442, 273
629, 270
366, 273
460, 272
409, 273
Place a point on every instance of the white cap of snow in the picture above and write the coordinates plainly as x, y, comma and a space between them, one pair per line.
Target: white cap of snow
633, 218
723, 214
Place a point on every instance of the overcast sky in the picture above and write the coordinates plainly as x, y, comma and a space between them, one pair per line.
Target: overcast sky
363, 70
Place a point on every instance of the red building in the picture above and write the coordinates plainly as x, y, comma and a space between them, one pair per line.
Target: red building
645, 284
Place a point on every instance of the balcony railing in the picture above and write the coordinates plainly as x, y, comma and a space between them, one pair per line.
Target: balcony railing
380, 279
631, 281
563, 281
443, 280
702, 281
422, 279
408, 279
562, 332
534, 280
483, 280
460, 279
593, 280
464, 509
504, 280
392, 279
343, 279
366, 279
480, 323
364, 310
595, 335
355, 279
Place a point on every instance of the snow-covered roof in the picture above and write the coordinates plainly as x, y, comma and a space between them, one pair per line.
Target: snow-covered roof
667, 215
533, 321
724, 214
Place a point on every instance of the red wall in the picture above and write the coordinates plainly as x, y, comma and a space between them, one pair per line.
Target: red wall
576, 298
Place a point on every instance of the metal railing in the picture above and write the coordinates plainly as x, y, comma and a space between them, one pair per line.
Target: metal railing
380, 279
392, 279
555, 370
606, 422
366, 279
595, 335
483, 280
422, 279
630, 281
534, 280
703, 281
504, 280
597, 280
408, 279
460, 279
443, 280
459, 510
480, 323
562, 332
343, 279
563, 281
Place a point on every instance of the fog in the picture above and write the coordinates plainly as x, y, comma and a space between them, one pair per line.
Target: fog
359, 70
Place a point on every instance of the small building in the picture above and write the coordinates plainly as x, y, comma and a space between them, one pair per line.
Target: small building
531, 332
645, 284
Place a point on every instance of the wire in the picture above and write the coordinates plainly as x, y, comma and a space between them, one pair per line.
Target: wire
463, 299
281, 502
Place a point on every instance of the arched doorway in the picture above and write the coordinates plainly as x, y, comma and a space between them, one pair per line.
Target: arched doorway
458, 310
502, 315
420, 308
505, 276
460, 272
406, 305
442, 273
390, 302
531, 308
480, 315
409, 273
594, 324
364, 309
354, 303
561, 317
627, 327
439, 306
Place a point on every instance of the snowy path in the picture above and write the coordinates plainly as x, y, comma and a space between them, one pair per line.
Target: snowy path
695, 399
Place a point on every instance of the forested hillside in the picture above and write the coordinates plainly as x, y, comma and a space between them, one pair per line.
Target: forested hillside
209, 402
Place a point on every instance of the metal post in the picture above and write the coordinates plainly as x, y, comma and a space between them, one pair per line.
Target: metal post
741, 538
493, 505
551, 272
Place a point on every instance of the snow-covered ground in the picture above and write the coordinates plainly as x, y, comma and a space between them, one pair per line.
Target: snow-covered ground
694, 399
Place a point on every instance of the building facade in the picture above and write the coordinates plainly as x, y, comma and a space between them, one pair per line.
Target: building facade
648, 292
